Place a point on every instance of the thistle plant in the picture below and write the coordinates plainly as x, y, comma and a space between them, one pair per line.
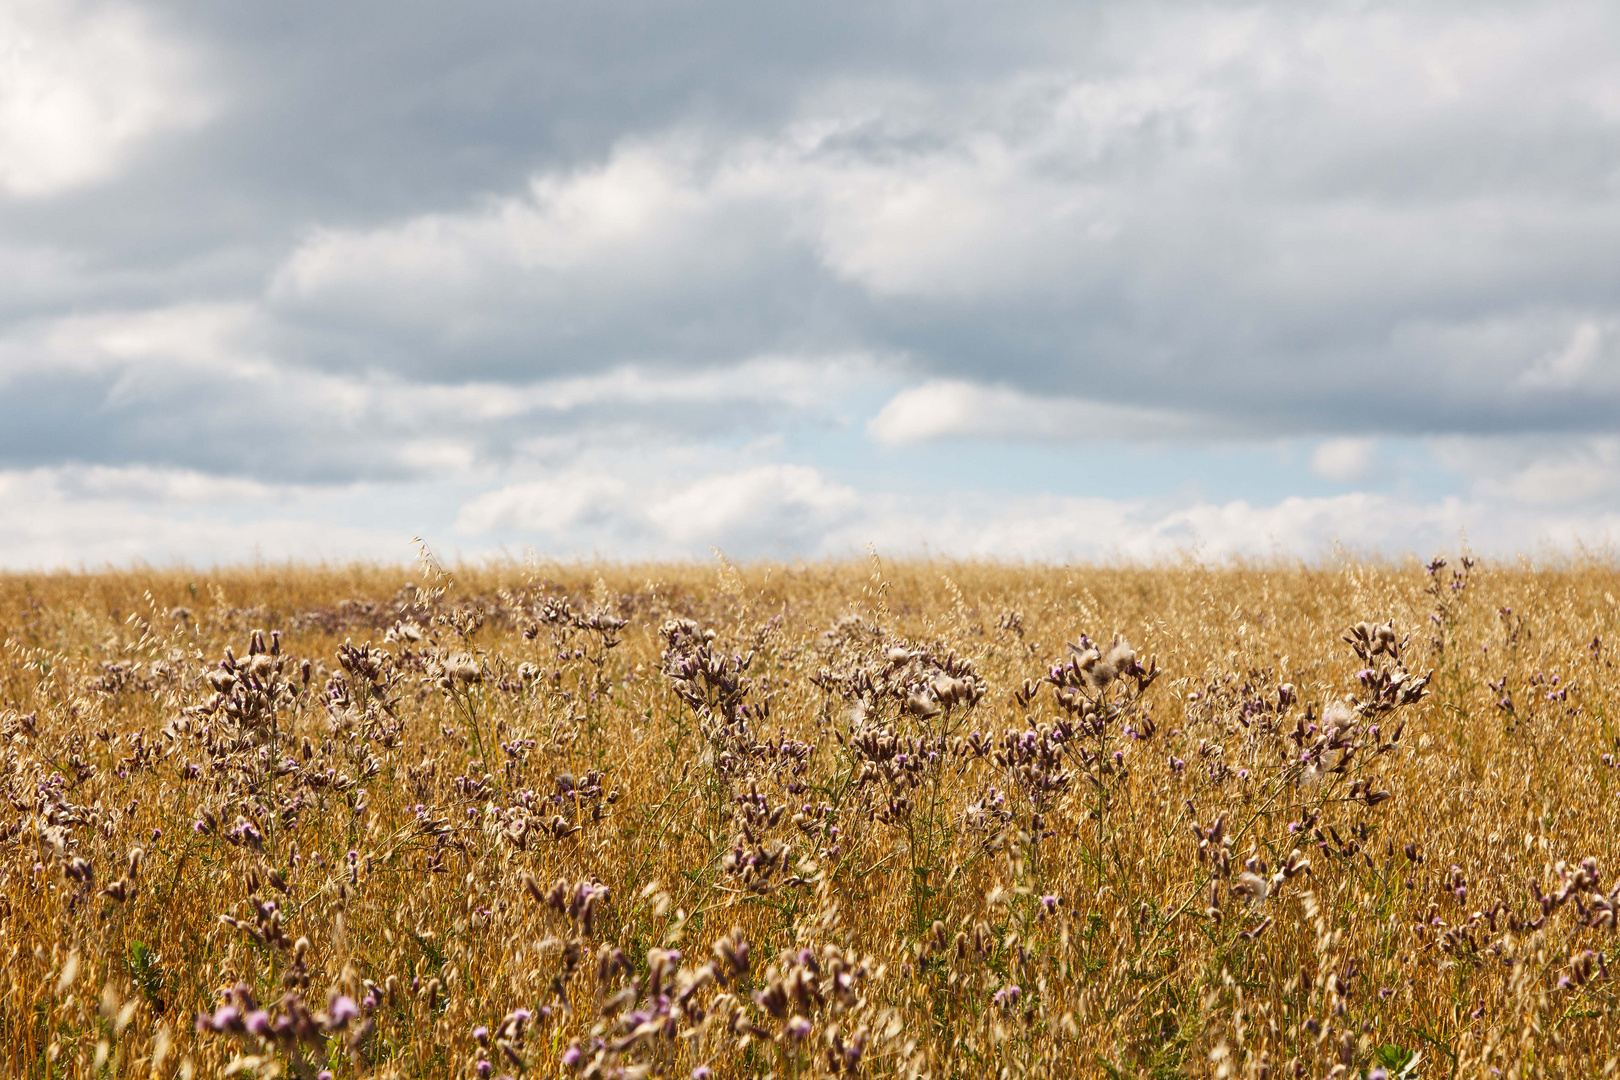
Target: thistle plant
810, 821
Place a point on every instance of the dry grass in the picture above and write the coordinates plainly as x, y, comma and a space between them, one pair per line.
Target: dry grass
861, 819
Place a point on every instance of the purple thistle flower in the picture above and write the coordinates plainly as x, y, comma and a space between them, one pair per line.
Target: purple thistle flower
342, 1010
225, 1017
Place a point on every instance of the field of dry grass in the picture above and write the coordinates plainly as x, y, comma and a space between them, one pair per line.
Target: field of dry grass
864, 819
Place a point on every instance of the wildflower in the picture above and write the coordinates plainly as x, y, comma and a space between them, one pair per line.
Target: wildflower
342, 1010
224, 1018
922, 704
463, 668
1250, 887
1121, 658
1096, 671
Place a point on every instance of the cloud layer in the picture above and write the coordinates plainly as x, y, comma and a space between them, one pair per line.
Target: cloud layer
82, 88
1035, 280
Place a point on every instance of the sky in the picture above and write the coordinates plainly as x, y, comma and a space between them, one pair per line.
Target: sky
1068, 281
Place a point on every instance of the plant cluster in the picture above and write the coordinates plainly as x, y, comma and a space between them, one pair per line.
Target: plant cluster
916, 820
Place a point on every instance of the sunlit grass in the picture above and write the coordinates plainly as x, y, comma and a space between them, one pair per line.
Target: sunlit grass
920, 819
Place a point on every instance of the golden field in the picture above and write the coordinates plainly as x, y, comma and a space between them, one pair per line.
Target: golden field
856, 819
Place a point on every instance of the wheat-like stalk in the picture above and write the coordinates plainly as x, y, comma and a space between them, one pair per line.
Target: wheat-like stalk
889, 819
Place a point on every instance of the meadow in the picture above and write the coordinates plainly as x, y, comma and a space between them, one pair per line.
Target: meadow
917, 819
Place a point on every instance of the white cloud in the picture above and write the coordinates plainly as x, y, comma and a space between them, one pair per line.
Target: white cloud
192, 336
71, 517
208, 386
799, 382
1544, 472
171, 488
656, 232
1050, 528
1344, 460
549, 507
81, 85
769, 507
946, 408
774, 510
1591, 344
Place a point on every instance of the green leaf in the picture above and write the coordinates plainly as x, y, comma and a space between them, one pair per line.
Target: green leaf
1398, 1060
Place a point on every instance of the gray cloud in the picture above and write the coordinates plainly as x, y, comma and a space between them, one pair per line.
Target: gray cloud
406, 244
203, 387
1346, 224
